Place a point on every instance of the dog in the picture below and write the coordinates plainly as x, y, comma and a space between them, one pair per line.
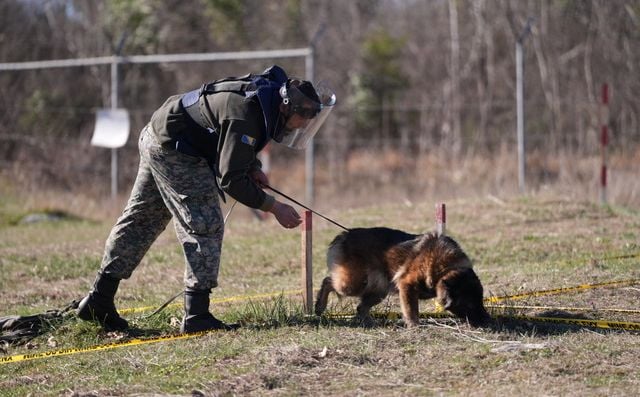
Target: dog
370, 263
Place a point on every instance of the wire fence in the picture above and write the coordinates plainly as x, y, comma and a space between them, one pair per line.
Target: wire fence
49, 117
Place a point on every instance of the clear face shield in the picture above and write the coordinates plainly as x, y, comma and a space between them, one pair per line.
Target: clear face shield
307, 112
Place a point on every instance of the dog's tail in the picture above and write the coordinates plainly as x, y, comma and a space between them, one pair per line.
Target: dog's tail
323, 295
335, 251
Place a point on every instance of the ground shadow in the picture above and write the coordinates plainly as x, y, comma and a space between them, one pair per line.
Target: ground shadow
498, 324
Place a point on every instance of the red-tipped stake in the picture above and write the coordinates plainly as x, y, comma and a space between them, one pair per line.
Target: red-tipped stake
441, 219
604, 141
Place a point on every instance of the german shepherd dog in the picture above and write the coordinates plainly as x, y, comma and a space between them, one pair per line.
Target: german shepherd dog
370, 263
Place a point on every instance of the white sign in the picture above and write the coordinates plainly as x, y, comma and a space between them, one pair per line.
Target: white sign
112, 128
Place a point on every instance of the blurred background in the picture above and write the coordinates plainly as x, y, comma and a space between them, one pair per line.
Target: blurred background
426, 94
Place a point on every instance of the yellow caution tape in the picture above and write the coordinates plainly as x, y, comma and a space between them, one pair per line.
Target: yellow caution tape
565, 308
219, 300
107, 346
438, 306
495, 299
492, 299
133, 342
388, 315
257, 296
391, 315
604, 324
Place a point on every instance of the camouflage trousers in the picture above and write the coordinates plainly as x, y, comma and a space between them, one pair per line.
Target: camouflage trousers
169, 185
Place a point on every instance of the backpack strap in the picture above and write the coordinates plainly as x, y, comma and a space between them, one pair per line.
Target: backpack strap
191, 100
249, 85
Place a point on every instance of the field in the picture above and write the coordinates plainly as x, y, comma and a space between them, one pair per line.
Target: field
517, 245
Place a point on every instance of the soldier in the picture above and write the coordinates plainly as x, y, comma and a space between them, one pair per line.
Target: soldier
197, 147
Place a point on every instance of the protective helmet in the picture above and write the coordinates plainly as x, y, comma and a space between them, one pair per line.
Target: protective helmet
314, 104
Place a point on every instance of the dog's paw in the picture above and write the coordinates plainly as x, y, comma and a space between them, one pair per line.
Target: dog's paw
411, 324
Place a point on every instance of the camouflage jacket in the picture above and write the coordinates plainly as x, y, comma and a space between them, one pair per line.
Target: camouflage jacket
232, 147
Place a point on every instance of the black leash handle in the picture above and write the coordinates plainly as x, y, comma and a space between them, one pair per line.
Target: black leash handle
305, 207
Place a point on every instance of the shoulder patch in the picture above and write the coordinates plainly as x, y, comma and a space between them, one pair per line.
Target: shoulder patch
248, 140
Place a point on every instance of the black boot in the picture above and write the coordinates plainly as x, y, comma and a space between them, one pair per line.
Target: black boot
196, 313
98, 305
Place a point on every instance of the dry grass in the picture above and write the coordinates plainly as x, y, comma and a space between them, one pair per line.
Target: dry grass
556, 236
546, 240
367, 177
364, 178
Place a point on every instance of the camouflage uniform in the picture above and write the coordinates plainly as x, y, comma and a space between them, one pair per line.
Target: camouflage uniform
169, 184
197, 147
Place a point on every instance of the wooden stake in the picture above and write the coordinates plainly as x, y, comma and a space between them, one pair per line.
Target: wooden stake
307, 262
441, 219
604, 141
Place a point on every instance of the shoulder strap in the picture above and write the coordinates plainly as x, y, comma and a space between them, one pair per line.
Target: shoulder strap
229, 84
248, 85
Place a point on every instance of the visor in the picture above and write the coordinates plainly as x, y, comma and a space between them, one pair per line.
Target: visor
299, 138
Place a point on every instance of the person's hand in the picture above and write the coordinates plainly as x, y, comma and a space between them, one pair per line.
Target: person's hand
259, 177
286, 215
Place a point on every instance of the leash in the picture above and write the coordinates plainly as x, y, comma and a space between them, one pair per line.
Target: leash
229, 212
168, 301
165, 304
305, 207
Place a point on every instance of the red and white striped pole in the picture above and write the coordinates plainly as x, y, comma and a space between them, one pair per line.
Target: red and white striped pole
441, 219
604, 141
307, 262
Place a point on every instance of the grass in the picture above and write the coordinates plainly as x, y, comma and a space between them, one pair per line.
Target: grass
517, 245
